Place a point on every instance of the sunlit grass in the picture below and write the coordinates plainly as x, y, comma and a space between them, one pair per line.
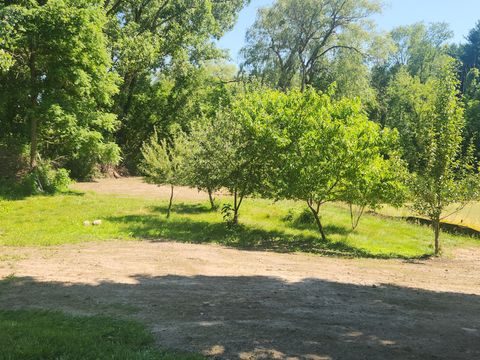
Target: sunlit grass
59, 220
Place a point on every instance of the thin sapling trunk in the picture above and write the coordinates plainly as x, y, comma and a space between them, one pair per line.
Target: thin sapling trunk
212, 199
436, 230
237, 202
356, 215
170, 203
315, 211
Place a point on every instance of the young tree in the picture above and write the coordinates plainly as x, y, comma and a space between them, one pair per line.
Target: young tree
229, 152
164, 163
380, 180
442, 175
313, 145
204, 160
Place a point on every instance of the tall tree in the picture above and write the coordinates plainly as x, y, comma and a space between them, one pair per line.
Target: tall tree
154, 41
418, 50
56, 94
289, 40
470, 52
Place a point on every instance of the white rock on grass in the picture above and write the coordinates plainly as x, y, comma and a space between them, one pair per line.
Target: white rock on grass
97, 222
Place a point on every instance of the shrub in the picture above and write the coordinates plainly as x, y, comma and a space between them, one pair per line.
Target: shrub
45, 179
299, 218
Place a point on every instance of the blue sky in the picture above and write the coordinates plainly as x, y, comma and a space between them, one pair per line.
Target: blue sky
460, 14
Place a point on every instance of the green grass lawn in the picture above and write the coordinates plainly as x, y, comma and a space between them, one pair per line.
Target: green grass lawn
53, 220
30, 334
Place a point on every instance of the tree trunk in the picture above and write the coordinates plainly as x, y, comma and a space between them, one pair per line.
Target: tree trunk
317, 220
436, 230
355, 218
33, 109
170, 203
33, 141
235, 208
237, 201
211, 198
130, 82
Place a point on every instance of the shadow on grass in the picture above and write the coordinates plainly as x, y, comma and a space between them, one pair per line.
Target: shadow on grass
182, 208
453, 229
12, 191
329, 229
156, 228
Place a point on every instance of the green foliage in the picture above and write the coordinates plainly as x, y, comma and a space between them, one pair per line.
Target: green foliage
300, 219
380, 179
160, 48
420, 48
164, 164
291, 41
317, 149
303, 146
175, 99
44, 179
469, 53
205, 159
30, 334
55, 96
227, 153
442, 175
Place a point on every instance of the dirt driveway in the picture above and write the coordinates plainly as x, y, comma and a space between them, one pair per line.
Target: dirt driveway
256, 305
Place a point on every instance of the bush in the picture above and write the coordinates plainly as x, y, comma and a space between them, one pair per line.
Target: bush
305, 217
45, 180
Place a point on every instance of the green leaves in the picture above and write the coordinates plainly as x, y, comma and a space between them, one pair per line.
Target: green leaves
431, 123
57, 92
293, 41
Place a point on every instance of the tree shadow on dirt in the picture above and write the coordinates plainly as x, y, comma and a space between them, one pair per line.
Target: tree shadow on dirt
158, 228
235, 317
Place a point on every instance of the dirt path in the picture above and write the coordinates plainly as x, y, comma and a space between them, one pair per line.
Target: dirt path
136, 187
258, 305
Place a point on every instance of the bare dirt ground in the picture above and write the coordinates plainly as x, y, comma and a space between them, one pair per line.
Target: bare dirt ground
257, 305
136, 187
233, 304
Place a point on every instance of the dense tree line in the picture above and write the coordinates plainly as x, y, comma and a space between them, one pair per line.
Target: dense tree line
322, 108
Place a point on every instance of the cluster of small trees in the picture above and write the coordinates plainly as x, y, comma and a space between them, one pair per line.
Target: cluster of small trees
297, 145
84, 83
315, 148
